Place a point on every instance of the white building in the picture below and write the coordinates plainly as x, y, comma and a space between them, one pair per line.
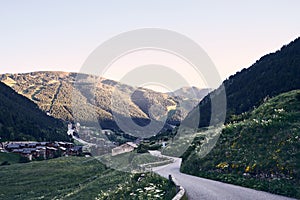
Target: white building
124, 148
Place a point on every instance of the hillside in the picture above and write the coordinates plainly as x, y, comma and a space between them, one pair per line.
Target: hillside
258, 149
56, 92
21, 119
271, 75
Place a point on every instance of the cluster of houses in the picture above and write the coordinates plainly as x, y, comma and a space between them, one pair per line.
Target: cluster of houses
42, 150
46, 150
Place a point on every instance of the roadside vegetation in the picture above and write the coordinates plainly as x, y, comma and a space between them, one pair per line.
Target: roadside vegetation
141, 186
258, 149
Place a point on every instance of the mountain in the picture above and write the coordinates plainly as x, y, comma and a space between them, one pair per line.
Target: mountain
21, 119
91, 99
190, 93
259, 149
189, 97
271, 75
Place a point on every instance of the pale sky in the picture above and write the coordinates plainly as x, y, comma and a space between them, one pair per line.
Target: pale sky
58, 35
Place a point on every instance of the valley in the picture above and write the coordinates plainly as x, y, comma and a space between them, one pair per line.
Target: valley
149, 100
256, 147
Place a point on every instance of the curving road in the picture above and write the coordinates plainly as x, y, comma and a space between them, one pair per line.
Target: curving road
205, 189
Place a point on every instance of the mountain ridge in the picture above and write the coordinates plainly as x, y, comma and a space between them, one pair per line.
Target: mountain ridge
56, 92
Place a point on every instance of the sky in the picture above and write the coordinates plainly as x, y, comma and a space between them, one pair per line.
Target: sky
59, 35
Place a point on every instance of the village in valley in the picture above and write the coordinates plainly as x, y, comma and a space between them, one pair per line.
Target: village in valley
90, 142
42, 150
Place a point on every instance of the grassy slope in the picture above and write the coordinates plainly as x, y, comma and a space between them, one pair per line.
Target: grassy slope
70, 178
259, 149
131, 161
9, 158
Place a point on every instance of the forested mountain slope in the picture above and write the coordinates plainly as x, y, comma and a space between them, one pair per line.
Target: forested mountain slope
271, 75
21, 119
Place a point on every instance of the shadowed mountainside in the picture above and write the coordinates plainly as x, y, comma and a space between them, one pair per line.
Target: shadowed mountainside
21, 119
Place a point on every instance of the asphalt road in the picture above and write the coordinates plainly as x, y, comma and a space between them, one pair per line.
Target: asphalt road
205, 189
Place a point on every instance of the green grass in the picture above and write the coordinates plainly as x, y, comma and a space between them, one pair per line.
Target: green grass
130, 161
9, 158
62, 178
259, 149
